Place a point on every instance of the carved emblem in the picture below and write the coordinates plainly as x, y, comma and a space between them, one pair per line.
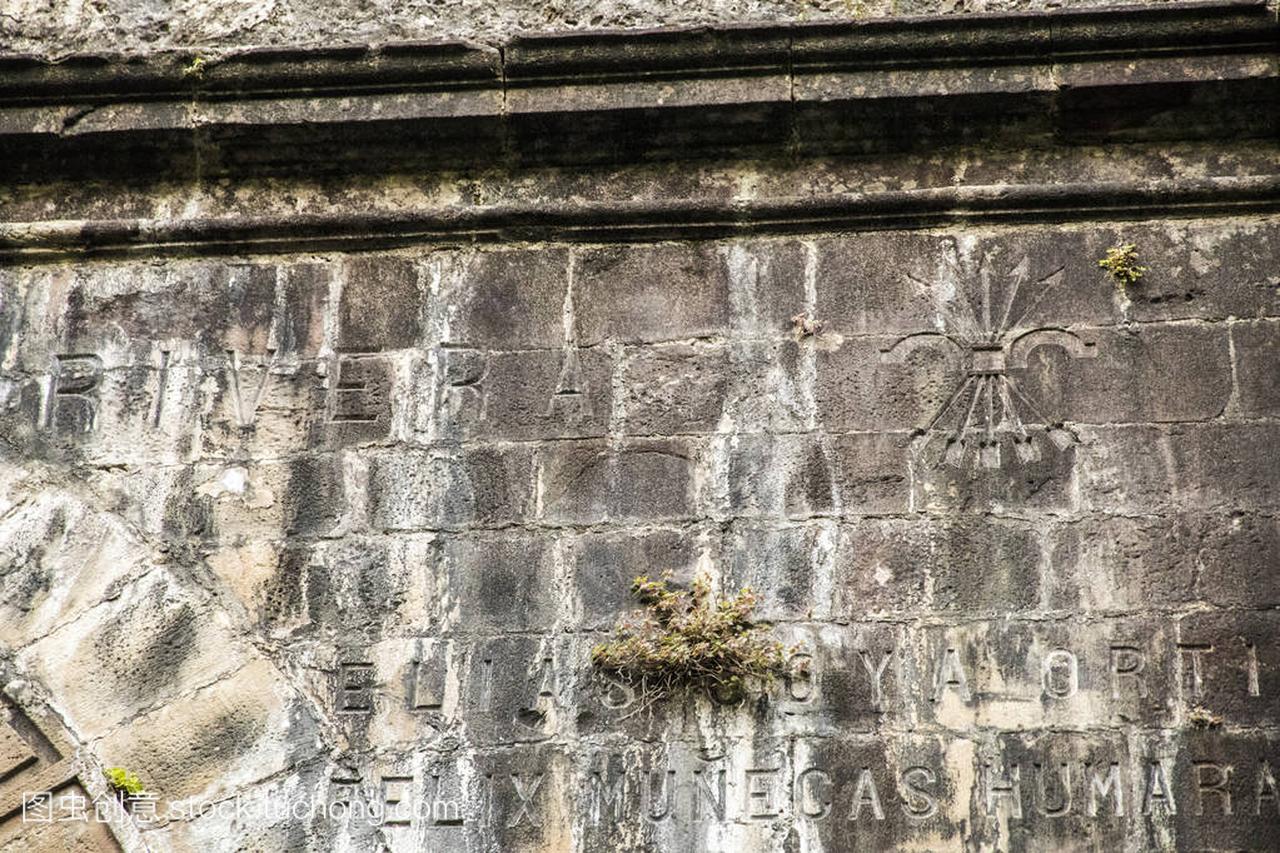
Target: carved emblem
985, 410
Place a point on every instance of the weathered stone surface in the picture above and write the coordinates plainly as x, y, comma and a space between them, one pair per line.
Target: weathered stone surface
345, 391
218, 23
1132, 379
790, 566
682, 388
647, 294
886, 567
505, 300
591, 482
858, 390
242, 729
498, 583
380, 305
436, 490
1257, 364
139, 649
604, 567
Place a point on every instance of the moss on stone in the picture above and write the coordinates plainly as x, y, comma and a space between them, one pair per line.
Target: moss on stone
683, 640
1121, 263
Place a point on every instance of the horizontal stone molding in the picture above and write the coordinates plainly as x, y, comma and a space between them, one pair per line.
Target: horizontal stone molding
641, 221
1178, 70
594, 56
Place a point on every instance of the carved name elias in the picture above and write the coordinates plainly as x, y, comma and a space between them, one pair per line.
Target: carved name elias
922, 671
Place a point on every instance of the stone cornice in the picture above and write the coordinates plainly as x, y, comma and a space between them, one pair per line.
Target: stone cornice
1173, 71
633, 221
579, 57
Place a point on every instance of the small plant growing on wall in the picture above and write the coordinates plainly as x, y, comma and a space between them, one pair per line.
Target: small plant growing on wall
803, 327
195, 68
1203, 718
125, 785
1121, 263
683, 640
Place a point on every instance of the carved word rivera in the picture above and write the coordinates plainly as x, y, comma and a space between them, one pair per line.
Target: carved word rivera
71, 393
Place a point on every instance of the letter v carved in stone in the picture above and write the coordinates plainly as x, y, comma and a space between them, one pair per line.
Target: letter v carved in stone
247, 415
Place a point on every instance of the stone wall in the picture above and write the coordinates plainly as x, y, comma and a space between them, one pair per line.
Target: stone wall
126, 26
342, 395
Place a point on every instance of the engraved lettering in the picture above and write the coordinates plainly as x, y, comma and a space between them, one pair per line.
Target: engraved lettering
865, 794
815, 798
606, 794
34, 762
1061, 674
1158, 790
69, 406
800, 677
761, 790
464, 372
876, 674
1008, 787
430, 672
1265, 789
485, 700
667, 798
247, 414
1213, 779
1251, 661
396, 790
355, 687
15, 753
547, 679
356, 399
1127, 662
916, 801
951, 675
1063, 804
704, 791
1100, 786
162, 383
570, 399
343, 790
1194, 652
444, 812
617, 693
525, 792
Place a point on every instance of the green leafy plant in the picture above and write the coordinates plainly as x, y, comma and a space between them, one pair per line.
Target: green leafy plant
124, 783
195, 68
684, 640
1122, 263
